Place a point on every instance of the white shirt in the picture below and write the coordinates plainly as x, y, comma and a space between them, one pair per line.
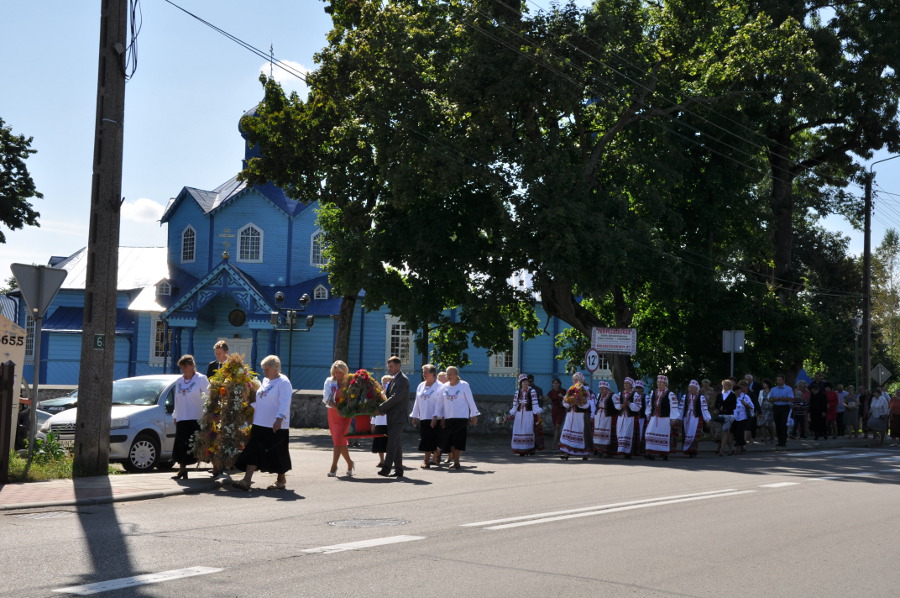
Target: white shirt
457, 402
329, 393
522, 401
190, 396
273, 400
879, 406
743, 408
427, 400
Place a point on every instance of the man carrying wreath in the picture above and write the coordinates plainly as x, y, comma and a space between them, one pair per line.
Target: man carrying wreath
395, 408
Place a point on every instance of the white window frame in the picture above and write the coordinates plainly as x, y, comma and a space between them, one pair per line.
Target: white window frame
240, 234
317, 249
390, 332
320, 293
163, 289
29, 334
193, 248
157, 352
506, 363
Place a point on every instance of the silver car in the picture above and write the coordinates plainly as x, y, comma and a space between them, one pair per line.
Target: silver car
142, 431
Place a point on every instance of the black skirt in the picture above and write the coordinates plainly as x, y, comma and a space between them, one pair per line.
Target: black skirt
454, 434
184, 432
379, 443
267, 450
428, 437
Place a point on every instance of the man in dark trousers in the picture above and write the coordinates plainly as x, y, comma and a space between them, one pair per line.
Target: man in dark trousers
221, 351
397, 410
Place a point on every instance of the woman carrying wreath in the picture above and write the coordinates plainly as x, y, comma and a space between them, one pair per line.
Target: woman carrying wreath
572, 439
335, 385
267, 449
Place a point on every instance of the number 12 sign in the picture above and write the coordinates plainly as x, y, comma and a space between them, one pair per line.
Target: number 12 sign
592, 360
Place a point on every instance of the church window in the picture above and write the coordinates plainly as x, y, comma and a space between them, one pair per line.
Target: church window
29, 335
189, 245
250, 244
503, 363
320, 292
317, 249
400, 342
163, 289
159, 346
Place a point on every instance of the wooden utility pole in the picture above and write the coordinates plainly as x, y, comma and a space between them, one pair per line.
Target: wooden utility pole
867, 287
99, 326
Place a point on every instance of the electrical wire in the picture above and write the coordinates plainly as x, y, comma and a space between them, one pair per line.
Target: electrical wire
135, 22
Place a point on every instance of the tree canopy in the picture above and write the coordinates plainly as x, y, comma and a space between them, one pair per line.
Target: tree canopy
657, 165
16, 185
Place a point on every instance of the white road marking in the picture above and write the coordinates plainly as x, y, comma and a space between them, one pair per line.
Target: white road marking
620, 509
825, 479
862, 474
891, 458
780, 484
363, 544
594, 508
137, 580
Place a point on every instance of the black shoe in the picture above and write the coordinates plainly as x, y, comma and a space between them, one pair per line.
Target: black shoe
396, 474
384, 472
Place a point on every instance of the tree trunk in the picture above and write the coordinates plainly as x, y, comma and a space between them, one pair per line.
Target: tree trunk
783, 214
344, 325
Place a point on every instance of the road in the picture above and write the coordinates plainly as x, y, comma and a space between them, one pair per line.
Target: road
765, 524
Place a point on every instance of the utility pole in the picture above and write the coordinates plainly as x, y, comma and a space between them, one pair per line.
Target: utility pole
867, 286
98, 329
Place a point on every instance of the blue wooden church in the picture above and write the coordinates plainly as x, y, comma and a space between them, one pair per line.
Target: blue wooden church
236, 254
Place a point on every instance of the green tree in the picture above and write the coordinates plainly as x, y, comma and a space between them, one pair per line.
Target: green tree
16, 185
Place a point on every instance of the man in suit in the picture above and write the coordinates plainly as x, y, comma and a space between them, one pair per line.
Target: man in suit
221, 351
396, 408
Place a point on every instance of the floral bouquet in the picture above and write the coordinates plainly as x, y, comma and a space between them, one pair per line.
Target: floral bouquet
362, 395
576, 396
227, 414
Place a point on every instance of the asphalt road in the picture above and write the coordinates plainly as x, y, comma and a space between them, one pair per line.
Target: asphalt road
791, 524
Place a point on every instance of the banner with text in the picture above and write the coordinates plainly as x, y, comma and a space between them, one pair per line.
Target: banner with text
614, 340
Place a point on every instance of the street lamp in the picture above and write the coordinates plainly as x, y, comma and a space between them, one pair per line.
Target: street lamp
287, 316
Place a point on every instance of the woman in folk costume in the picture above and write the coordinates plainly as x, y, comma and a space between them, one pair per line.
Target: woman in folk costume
662, 413
606, 415
577, 401
695, 412
524, 408
629, 425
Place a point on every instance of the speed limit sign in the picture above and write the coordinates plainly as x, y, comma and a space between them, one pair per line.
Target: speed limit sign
592, 360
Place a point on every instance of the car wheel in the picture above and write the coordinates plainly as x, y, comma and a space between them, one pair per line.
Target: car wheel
143, 454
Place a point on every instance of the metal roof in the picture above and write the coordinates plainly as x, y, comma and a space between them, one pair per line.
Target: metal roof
138, 267
70, 319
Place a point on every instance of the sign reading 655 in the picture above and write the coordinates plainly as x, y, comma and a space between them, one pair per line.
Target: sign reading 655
12, 339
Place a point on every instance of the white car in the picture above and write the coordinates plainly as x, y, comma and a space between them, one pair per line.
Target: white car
142, 430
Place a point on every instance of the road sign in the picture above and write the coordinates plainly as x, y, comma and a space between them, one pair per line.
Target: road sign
39, 285
592, 360
880, 373
614, 340
732, 341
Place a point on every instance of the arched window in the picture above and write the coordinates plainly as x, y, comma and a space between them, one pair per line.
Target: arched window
189, 244
320, 292
317, 249
250, 244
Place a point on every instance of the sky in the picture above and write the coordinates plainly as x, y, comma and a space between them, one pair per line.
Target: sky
182, 108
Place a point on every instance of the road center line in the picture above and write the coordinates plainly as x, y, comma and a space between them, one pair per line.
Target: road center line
859, 455
363, 544
594, 508
619, 509
137, 580
780, 484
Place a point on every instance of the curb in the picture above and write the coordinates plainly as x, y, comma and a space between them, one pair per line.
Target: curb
107, 499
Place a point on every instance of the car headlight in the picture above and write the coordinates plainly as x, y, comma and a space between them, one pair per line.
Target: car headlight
45, 427
118, 423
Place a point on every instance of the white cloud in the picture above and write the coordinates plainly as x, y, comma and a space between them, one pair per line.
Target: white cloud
287, 76
142, 210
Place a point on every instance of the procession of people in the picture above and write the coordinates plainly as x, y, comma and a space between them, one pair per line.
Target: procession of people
632, 421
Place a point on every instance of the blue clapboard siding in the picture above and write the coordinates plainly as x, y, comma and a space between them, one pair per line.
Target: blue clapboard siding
189, 213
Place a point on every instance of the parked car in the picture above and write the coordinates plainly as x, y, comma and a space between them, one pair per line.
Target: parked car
23, 424
142, 431
58, 404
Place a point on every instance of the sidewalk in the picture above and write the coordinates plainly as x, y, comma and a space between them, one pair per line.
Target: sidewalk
125, 487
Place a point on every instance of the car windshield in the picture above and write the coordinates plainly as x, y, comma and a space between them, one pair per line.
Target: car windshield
137, 392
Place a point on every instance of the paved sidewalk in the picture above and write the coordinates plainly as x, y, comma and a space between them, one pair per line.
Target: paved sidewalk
116, 488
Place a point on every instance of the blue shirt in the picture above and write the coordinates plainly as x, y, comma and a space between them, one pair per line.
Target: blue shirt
781, 396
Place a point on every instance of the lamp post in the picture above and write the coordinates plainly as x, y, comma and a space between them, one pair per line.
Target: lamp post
289, 320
